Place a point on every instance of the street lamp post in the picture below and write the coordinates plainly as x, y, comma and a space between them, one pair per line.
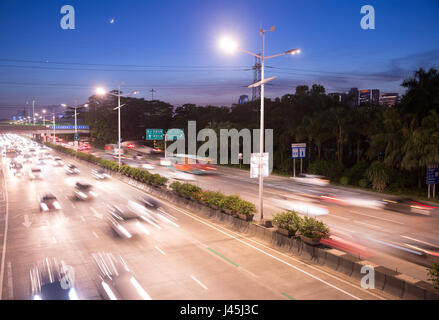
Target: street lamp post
101, 91
44, 117
33, 110
230, 46
76, 127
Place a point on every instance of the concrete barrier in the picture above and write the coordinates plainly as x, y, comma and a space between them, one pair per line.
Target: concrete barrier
347, 263
332, 258
358, 265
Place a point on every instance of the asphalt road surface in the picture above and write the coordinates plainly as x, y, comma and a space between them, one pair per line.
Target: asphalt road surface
396, 240
184, 257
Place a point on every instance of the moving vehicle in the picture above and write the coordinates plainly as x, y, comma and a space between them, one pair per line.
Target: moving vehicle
57, 162
113, 149
48, 202
71, 169
35, 173
99, 174
125, 222
52, 280
312, 179
193, 164
84, 191
115, 281
407, 205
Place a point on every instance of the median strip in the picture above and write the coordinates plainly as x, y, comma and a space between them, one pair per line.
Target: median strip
220, 255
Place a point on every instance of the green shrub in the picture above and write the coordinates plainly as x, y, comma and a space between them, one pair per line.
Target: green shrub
314, 229
433, 273
356, 172
289, 220
230, 203
378, 175
213, 198
186, 190
344, 180
328, 168
363, 183
245, 208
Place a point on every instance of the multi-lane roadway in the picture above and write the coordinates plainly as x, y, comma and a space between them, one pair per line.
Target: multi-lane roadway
184, 257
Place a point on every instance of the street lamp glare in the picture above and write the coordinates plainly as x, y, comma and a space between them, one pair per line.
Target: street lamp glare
101, 91
293, 51
86, 105
228, 45
63, 105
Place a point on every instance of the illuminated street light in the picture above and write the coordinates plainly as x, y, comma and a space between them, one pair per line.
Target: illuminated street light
102, 92
75, 108
230, 46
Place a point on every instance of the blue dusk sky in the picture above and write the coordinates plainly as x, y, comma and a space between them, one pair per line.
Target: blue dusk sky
172, 47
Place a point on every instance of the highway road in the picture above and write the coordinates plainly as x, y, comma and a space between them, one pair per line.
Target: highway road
396, 240
184, 257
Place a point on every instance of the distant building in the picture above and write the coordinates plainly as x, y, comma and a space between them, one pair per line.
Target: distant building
369, 96
353, 95
375, 96
337, 95
243, 99
389, 99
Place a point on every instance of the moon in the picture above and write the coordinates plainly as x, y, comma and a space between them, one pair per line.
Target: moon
111, 20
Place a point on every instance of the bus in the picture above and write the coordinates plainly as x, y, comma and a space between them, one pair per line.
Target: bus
192, 164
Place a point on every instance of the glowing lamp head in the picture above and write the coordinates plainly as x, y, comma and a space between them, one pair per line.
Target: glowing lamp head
228, 45
294, 51
101, 91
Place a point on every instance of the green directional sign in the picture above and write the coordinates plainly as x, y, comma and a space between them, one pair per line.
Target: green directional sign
154, 134
175, 134
76, 137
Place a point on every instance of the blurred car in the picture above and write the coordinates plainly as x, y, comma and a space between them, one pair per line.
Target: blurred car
41, 162
148, 166
311, 179
84, 191
125, 222
35, 173
48, 202
18, 168
407, 205
116, 156
57, 162
99, 174
138, 156
179, 175
84, 146
115, 281
165, 162
149, 202
71, 169
156, 150
27, 158
52, 280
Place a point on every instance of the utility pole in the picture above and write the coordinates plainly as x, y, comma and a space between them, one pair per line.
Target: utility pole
256, 91
152, 93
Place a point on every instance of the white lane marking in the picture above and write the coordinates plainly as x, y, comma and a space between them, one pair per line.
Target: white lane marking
82, 218
54, 240
335, 216
169, 215
160, 250
95, 234
5, 237
151, 222
375, 217
368, 224
199, 282
270, 255
167, 220
10, 282
277, 252
427, 243
73, 206
251, 273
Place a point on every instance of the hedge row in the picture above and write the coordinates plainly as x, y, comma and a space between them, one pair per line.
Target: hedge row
214, 199
306, 226
135, 173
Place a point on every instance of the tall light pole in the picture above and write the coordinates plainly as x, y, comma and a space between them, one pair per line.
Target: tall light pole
54, 132
230, 46
102, 91
44, 117
33, 110
76, 121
